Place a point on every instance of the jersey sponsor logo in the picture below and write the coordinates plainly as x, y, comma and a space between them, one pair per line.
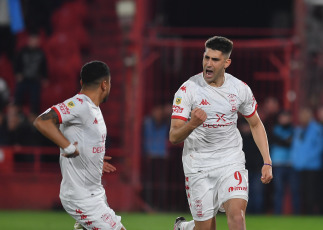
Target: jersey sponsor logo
71, 104
183, 88
204, 102
95, 121
99, 149
177, 109
94, 228
220, 117
233, 102
217, 125
63, 108
237, 188
238, 177
80, 100
178, 100
107, 218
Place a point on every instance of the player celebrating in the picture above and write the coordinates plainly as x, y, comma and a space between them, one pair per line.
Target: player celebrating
205, 117
81, 138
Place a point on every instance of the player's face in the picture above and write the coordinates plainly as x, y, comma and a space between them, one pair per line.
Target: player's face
214, 65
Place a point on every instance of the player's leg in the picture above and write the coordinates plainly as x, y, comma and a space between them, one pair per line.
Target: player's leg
205, 225
233, 195
235, 210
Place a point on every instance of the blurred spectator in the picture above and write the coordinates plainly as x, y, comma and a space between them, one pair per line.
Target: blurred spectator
314, 50
38, 14
7, 43
4, 94
17, 130
268, 112
307, 149
281, 158
254, 164
3, 133
31, 71
155, 139
168, 110
320, 120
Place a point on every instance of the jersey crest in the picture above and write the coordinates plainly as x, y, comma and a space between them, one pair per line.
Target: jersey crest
178, 100
71, 104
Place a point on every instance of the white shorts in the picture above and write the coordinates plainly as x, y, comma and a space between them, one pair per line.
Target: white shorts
207, 191
93, 213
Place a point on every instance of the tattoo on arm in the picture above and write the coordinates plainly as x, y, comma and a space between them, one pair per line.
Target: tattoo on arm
50, 115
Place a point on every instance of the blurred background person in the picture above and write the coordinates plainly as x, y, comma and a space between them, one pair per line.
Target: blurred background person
17, 129
307, 149
320, 120
11, 23
31, 72
254, 164
285, 177
155, 142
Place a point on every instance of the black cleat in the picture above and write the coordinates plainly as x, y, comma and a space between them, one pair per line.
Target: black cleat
178, 221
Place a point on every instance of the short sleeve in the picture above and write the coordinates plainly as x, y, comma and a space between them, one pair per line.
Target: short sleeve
249, 104
182, 103
68, 111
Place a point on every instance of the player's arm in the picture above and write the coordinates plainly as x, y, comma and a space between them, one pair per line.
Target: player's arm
47, 124
180, 130
260, 138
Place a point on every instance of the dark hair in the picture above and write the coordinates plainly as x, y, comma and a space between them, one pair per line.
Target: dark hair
92, 72
220, 43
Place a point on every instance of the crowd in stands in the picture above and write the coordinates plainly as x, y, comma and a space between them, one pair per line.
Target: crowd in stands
296, 147
41, 47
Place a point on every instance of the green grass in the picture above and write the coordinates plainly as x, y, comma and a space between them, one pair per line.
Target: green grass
41, 220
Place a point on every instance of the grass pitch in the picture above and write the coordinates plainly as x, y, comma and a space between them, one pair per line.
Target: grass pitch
49, 220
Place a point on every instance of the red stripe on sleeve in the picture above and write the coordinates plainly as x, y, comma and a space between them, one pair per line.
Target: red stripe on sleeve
252, 113
179, 117
58, 114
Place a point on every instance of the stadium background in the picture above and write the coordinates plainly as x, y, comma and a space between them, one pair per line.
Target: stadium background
152, 47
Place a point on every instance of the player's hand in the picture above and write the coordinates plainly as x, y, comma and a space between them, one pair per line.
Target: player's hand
75, 154
267, 174
198, 116
107, 167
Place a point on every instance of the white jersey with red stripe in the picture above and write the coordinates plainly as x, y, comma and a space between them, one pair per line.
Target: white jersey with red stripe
217, 142
81, 121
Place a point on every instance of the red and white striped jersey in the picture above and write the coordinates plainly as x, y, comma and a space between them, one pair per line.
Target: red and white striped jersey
217, 142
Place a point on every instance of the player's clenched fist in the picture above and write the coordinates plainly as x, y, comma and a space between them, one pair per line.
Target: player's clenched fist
198, 116
267, 174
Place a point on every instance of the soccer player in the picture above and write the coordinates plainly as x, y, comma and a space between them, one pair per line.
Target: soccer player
81, 137
205, 117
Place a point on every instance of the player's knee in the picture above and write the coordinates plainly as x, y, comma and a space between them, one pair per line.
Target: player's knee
236, 219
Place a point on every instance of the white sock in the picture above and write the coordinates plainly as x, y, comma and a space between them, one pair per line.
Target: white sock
187, 225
